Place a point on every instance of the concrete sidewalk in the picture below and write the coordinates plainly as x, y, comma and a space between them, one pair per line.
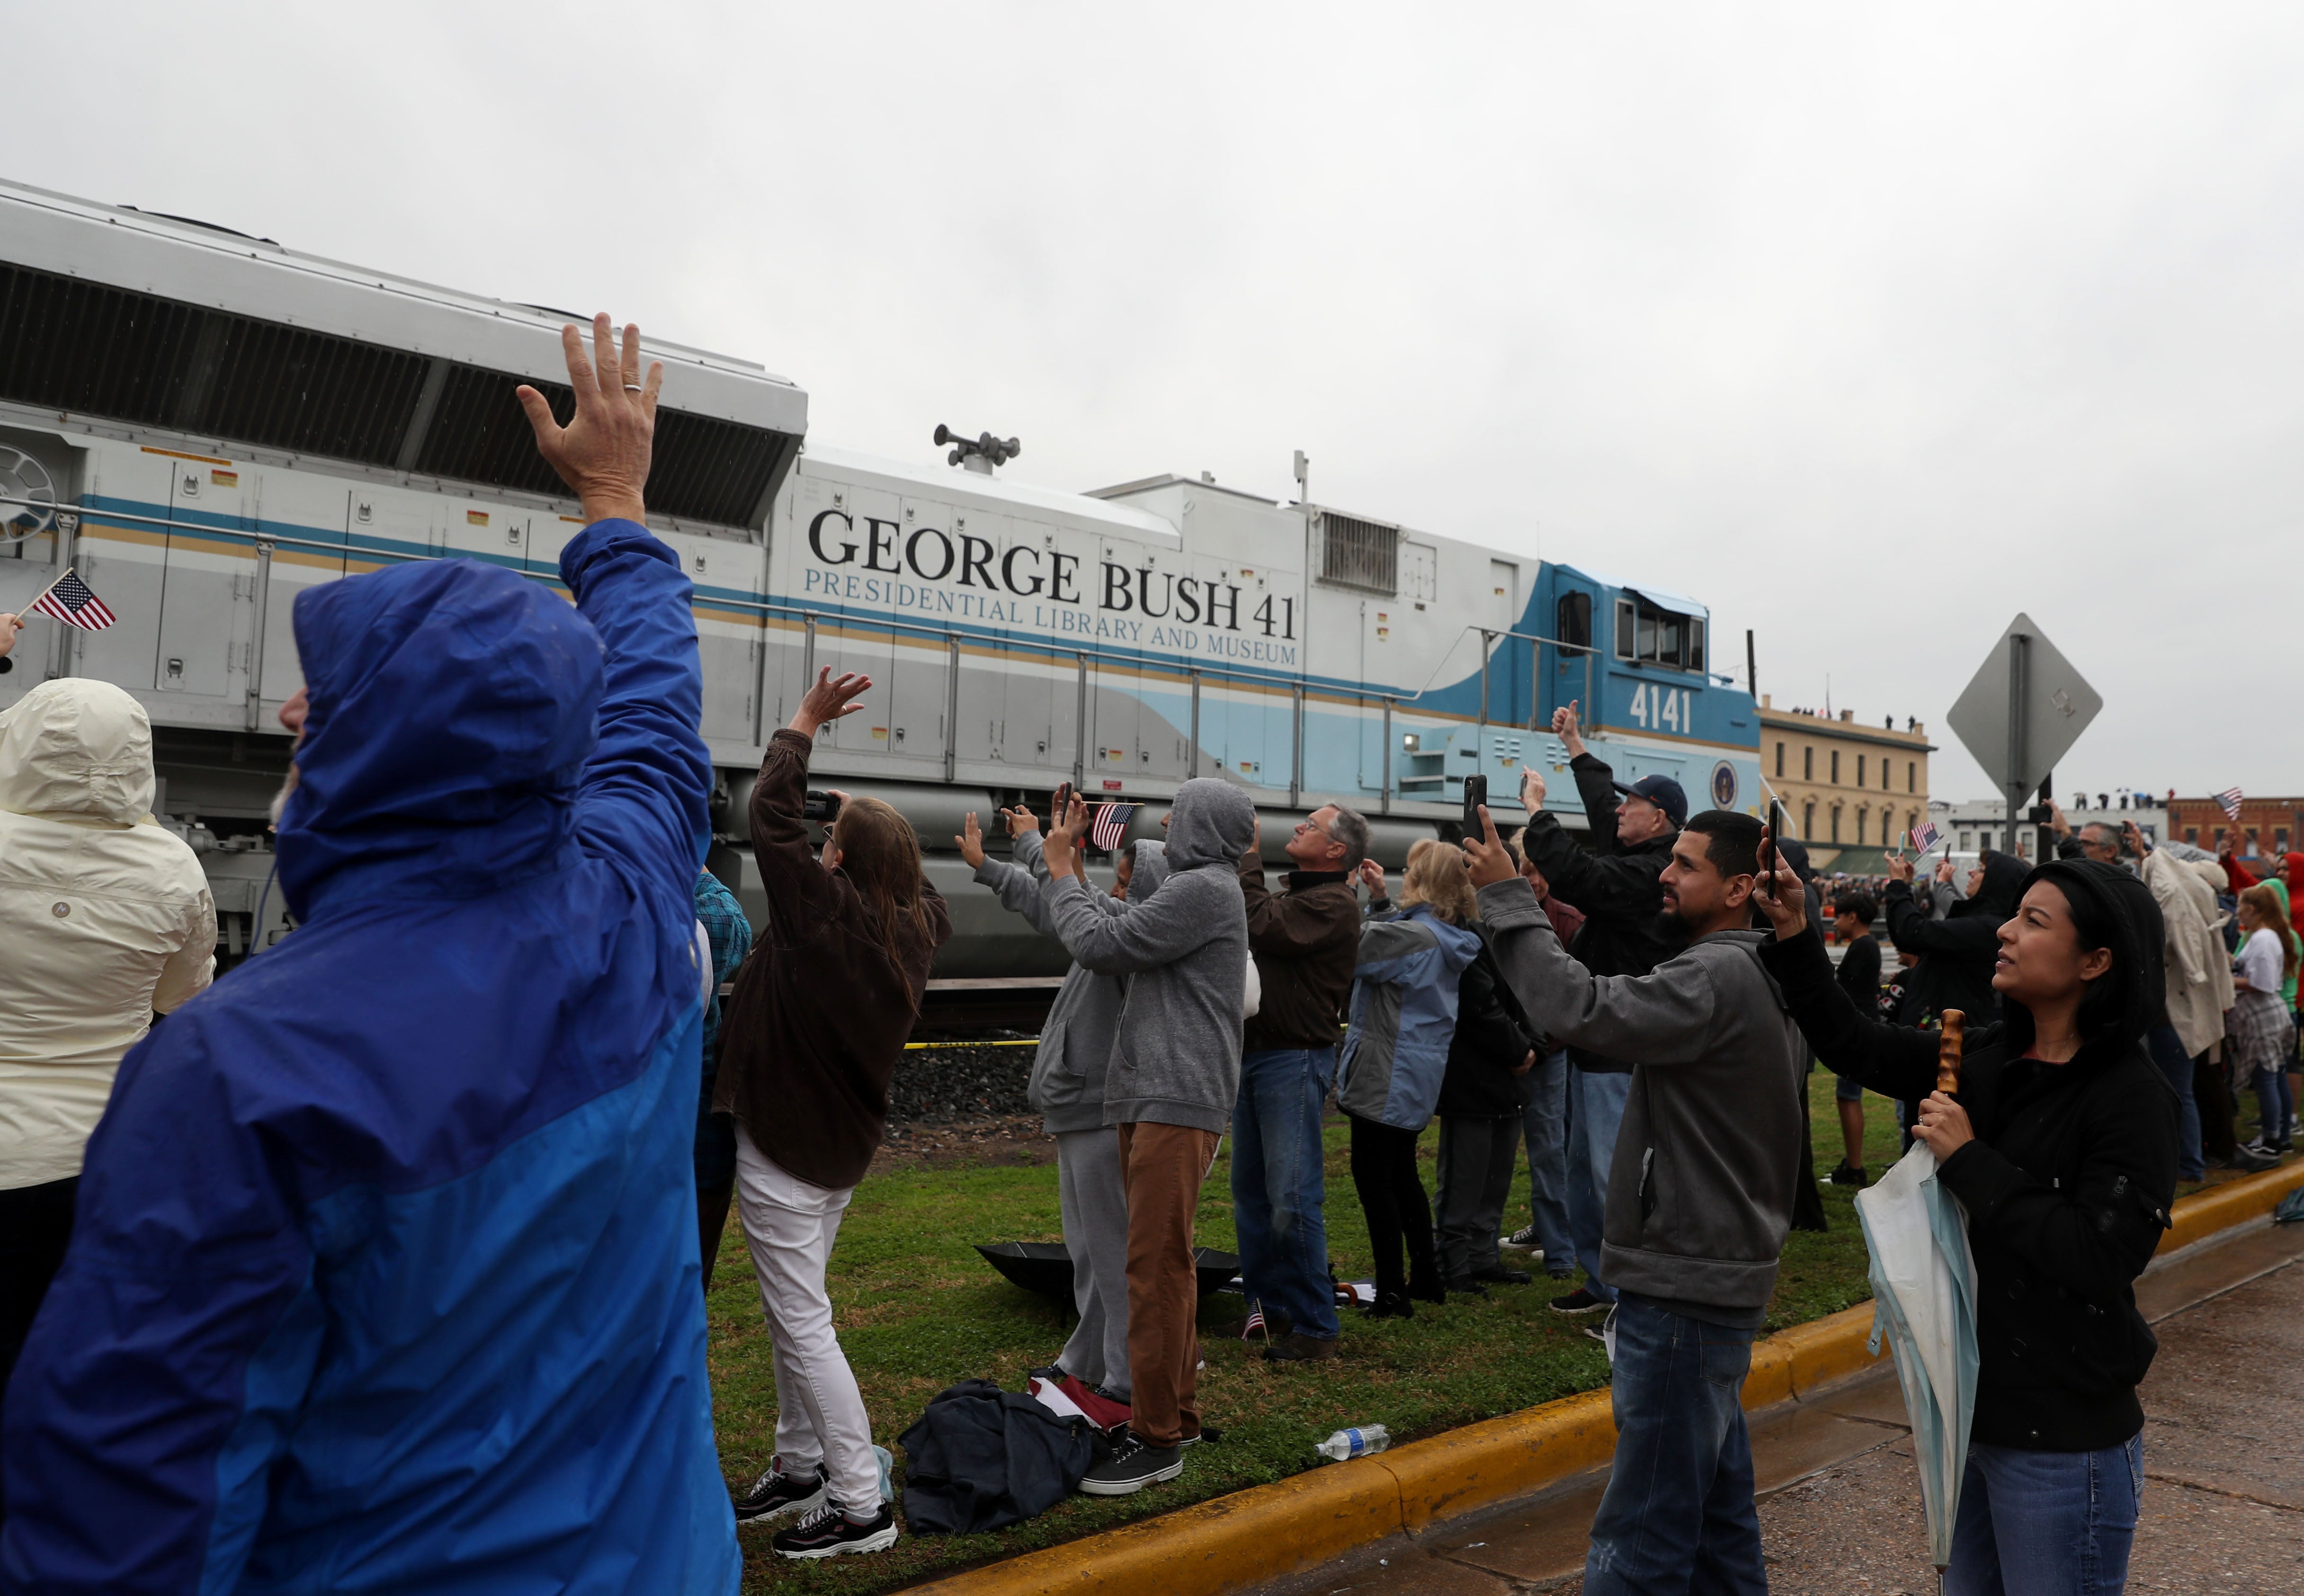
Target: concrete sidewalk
2224, 1453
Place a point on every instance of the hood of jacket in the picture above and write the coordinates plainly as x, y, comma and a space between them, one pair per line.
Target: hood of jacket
1212, 822
453, 705
1150, 869
77, 748
1999, 890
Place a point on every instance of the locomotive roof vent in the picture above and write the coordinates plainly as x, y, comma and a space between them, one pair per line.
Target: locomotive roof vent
979, 454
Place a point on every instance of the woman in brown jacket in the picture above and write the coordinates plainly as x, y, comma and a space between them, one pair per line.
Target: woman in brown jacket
818, 1017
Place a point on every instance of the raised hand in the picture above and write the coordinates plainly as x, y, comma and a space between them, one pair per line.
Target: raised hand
1531, 788
1371, 876
1491, 861
604, 452
9, 627
1784, 902
971, 841
1900, 868
828, 700
1022, 821
1568, 727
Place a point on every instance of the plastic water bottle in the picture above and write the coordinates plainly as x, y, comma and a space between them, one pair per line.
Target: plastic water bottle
1354, 1443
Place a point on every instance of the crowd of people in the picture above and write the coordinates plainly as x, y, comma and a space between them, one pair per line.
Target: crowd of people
380, 1264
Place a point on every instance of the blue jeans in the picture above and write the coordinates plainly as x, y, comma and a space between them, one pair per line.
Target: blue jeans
1278, 1191
2168, 1053
2046, 1523
1546, 1126
1678, 1513
1596, 1113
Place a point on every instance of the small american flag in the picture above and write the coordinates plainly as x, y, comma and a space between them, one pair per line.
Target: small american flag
2228, 800
69, 600
1254, 1322
1109, 826
1925, 837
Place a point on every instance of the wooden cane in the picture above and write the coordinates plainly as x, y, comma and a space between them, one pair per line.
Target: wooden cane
1948, 1053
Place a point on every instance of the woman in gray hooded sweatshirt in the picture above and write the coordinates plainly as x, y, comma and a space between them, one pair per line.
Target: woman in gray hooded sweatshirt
1169, 1086
1067, 1090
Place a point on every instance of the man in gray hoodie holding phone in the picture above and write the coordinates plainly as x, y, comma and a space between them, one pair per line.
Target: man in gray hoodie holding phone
1169, 1086
1698, 1200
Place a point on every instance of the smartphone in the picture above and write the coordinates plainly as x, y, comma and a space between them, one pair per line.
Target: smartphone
1475, 794
820, 807
1064, 802
1776, 819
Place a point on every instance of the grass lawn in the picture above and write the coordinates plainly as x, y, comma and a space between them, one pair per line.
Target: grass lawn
917, 1310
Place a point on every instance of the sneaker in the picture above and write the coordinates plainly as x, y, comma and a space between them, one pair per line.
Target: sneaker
1134, 1463
780, 1492
1849, 1174
1523, 1241
828, 1532
1580, 1301
1498, 1274
1390, 1304
1465, 1286
1301, 1349
2247, 1158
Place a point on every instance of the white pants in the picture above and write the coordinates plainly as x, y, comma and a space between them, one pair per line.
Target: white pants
821, 1424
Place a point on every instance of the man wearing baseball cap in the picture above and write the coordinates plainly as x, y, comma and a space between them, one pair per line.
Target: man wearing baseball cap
1625, 933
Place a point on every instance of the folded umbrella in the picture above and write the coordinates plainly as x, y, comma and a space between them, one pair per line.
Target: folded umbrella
1924, 1301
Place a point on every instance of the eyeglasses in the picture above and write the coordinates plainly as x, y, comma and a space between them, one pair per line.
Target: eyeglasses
1304, 826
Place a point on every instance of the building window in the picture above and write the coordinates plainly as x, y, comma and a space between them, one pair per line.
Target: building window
1912, 769
2192, 835
1911, 824
2280, 839
1807, 819
1807, 766
1835, 815
1967, 841
1859, 769
1984, 841
1780, 758
1835, 759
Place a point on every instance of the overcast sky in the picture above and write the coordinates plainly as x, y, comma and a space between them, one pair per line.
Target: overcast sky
1868, 329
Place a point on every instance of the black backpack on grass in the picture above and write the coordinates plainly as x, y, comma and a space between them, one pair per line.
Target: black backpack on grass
981, 1458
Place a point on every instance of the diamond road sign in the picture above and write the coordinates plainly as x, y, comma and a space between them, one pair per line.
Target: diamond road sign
2026, 681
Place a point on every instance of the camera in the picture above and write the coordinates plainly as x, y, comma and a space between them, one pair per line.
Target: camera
820, 807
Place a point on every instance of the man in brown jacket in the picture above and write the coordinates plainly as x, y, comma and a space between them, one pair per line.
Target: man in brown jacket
1305, 941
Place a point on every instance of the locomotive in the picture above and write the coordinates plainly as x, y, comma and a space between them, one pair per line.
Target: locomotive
202, 423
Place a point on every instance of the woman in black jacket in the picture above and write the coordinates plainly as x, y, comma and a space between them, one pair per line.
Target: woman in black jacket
2061, 1145
1484, 1098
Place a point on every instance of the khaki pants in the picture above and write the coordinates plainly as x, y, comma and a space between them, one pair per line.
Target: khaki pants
1162, 1167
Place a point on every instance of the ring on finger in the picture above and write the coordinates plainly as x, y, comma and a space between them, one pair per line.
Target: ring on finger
633, 388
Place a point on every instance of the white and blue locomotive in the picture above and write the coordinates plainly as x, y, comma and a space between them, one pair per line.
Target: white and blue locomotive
203, 422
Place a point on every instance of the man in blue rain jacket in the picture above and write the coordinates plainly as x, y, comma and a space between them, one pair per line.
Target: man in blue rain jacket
385, 1272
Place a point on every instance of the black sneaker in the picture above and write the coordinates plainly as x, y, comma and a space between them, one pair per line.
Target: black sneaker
1580, 1301
1523, 1241
1466, 1286
828, 1532
1500, 1274
1849, 1174
1390, 1304
780, 1492
2249, 1158
1134, 1463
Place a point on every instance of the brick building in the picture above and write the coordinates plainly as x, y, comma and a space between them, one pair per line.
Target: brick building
2266, 825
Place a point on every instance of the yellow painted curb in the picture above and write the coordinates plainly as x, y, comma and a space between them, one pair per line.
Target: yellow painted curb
1267, 1531
2233, 1203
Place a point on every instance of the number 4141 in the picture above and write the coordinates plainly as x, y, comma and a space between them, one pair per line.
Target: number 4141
1662, 709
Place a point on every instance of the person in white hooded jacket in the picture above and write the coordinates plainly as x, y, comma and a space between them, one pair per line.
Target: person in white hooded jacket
105, 921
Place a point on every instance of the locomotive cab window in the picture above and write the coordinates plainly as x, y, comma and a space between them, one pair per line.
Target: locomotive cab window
1653, 635
1572, 624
